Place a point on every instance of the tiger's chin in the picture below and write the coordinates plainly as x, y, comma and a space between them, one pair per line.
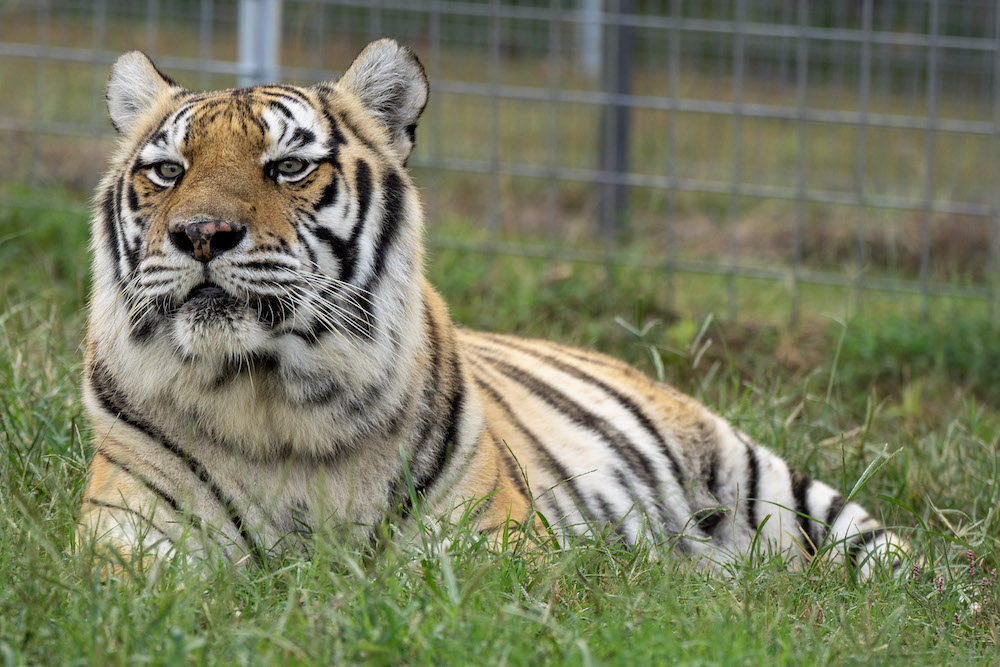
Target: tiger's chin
213, 324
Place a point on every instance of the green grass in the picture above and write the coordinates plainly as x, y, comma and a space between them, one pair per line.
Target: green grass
829, 396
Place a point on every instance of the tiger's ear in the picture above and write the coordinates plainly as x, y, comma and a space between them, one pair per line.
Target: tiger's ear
392, 85
134, 84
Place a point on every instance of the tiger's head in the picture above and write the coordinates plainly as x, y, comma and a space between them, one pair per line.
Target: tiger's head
233, 220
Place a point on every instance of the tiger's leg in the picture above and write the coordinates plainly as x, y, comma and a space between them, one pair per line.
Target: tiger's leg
493, 481
127, 509
773, 508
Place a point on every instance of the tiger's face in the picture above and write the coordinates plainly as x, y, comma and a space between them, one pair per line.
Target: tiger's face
224, 192
235, 219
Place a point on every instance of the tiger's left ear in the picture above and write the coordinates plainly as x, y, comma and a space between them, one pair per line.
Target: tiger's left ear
392, 85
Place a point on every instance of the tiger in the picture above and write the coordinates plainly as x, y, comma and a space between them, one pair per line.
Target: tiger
264, 355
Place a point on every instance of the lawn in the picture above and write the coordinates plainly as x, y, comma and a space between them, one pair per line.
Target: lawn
830, 395
836, 395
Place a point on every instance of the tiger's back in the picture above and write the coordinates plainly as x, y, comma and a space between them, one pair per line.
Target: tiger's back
603, 444
265, 356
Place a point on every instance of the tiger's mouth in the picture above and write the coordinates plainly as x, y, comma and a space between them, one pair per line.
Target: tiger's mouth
210, 295
210, 303
209, 322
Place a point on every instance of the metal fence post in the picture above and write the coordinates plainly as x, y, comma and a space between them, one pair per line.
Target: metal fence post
801, 71
861, 146
589, 37
994, 182
929, 137
615, 135
736, 182
259, 38
673, 76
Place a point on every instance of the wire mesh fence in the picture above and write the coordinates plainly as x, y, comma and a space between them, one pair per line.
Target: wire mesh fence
849, 144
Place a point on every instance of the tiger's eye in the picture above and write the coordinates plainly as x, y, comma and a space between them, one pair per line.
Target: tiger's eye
291, 166
168, 170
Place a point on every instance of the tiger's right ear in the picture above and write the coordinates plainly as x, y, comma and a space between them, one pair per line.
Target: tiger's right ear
134, 84
392, 85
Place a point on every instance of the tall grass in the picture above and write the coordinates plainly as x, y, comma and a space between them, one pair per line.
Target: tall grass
830, 397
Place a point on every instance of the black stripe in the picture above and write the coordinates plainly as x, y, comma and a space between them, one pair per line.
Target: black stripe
353, 129
253, 364
133, 198
446, 447
119, 218
263, 265
346, 250
424, 479
157, 268
355, 318
624, 401
131, 252
800, 489
833, 512
254, 119
392, 213
281, 108
157, 137
142, 328
637, 461
184, 112
708, 519
291, 92
129, 510
302, 137
400, 494
431, 384
712, 478
336, 139
113, 402
329, 194
753, 474
363, 185
558, 470
859, 543
110, 208
156, 489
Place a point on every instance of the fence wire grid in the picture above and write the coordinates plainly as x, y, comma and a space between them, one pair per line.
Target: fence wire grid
848, 144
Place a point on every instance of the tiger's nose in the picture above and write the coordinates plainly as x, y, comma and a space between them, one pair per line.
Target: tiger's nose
206, 239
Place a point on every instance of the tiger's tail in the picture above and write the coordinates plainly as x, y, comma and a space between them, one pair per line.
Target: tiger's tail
773, 508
